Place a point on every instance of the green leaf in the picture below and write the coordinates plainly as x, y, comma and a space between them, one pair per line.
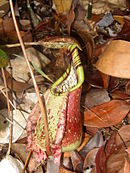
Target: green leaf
40, 71
3, 59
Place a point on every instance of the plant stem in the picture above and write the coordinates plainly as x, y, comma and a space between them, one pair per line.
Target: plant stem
33, 79
27, 160
9, 112
18, 44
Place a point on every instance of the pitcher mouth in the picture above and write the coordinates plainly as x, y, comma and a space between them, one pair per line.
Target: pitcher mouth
69, 80
73, 78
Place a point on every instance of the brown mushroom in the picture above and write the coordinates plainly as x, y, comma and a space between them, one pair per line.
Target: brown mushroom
115, 60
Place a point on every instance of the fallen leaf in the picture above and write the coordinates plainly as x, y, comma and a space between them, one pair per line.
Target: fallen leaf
96, 141
19, 67
3, 26
110, 61
89, 161
103, 153
7, 30
25, 24
115, 162
9, 163
62, 6
127, 162
96, 97
67, 163
80, 13
71, 15
20, 149
77, 161
4, 7
19, 124
123, 135
125, 32
105, 115
98, 49
118, 94
15, 85
128, 151
126, 166
91, 130
127, 88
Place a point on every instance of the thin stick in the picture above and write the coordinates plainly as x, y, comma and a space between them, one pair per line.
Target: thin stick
12, 122
18, 44
27, 160
33, 78
9, 99
9, 112
14, 109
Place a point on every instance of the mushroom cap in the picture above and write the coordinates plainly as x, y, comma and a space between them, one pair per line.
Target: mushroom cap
115, 60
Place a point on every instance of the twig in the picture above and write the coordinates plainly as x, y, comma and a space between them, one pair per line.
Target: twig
33, 78
9, 112
7, 119
18, 44
14, 109
27, 160
9, 99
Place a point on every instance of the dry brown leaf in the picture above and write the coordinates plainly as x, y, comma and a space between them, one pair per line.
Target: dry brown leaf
89, 161
70, 20
67, 163
115, 162
104, 153
95, 142
128, 151
106, 114
96, 97
4, 7
99, 49
15, 85
127, 88
62, 6
123, 135
71, 15
126, 166
115, 60
77, 161
20, 150
7, 29
91, 130
120, 95
127, 162
125, 32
